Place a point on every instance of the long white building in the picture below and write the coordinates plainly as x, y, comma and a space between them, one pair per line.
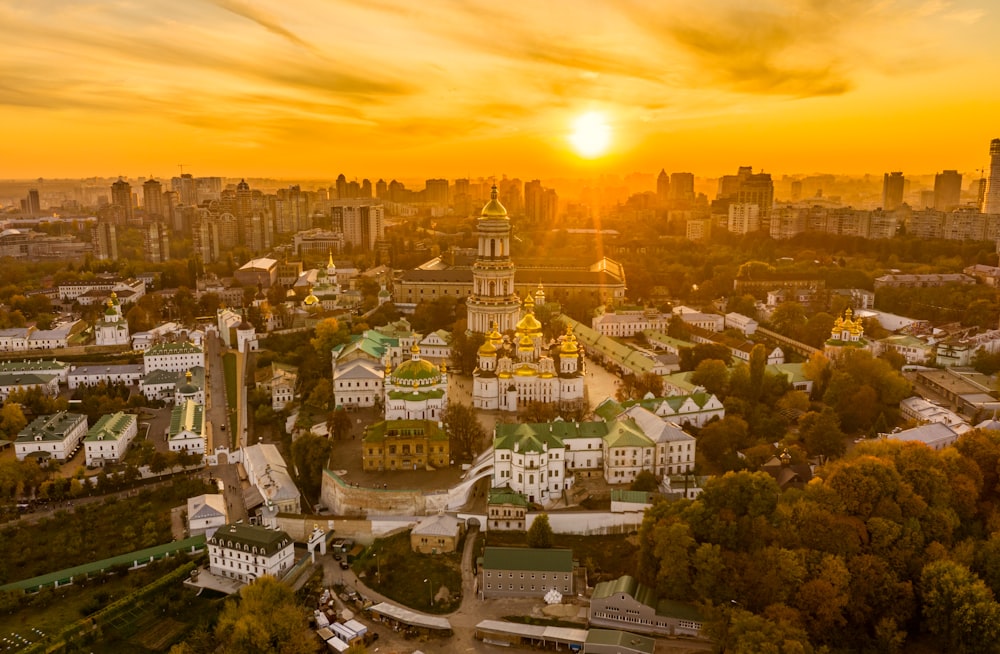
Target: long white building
248, 552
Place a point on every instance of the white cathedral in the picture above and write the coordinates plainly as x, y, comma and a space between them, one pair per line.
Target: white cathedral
113, 330
515, 369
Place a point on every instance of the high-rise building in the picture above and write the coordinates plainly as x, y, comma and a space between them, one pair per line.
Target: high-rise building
156, 242
152, 198
105, 236
744, 218
171, 213
436, 192
381, 190
756, 189
682, 187
364, 225
366, 188
186, 187
341, 186
991, 200
121, 197
512, 195
33, 204
947, 190
662, 188
540, 203
892, 191
796, 190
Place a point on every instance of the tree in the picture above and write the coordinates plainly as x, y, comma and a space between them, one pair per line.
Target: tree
465, 348
329, 333
788, 318
713, 376
321, 394
266, 619
310, 454
338, 423
821, 433
959, 608
645, 481
464, 431
540, 532
690, 357
12, 419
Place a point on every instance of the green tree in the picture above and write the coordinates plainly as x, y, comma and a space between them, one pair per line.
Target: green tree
465, 433
959, 608
645, 481
789, 318
540, 532
338, 423
310, 454
713, 376
821, 433
12, 419
328, 334
266, 619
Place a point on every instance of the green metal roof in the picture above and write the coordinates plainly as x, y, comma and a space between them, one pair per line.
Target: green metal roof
186, 416
24, 379
110, 427
28, 366
415, 396
625, 433
64, 576
388, 429
172, 348
528, 558
505, 495
643, 594
616, 638
635, 497
246, 537
51, 427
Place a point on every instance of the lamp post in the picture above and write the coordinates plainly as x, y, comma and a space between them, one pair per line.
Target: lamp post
429, 590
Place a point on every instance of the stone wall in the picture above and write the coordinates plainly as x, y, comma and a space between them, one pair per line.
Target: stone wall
356, 501
300, 526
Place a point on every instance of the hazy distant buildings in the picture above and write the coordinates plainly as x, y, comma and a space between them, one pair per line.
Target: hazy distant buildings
436, 192
32, 204
363, 225
893, 185
991, 199
121, 198
156, 242
186, 188
105, 235
681, 188
152, 198
947, 190
540, 203
662, 188
744, 218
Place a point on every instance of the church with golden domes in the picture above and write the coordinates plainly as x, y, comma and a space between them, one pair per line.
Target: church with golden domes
516, 370
847, 332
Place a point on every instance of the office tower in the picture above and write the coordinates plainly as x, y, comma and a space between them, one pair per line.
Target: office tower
729, 187
662, 188
341, 186
363, 225
156, 242
105, 237
186, 188
892, 191
152, 198
540, 203
991, 200
121, 197
682, 187
381, 189
947, 190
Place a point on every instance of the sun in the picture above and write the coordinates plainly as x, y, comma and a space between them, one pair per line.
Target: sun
591, 135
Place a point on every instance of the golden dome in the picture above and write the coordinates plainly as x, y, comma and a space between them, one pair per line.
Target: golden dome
488, 349
495, 337
311, 300
525, 371
493, 208
528, 300
569, 342
526, 343
529, 324
415, 349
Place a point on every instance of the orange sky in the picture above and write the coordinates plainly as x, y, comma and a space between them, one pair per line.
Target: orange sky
384, 88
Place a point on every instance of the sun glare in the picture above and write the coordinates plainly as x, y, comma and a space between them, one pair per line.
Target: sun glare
591, 135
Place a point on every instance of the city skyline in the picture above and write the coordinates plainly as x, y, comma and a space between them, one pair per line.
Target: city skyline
474, 89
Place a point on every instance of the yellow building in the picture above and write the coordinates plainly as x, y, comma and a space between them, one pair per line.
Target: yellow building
405, 445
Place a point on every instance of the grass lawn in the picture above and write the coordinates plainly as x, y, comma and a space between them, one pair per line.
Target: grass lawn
605, 557
394, 570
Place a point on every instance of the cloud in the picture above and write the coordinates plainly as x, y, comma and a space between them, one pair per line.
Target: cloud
269, 23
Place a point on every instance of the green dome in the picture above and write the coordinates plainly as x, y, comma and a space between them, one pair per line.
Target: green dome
417, 370
188, 389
